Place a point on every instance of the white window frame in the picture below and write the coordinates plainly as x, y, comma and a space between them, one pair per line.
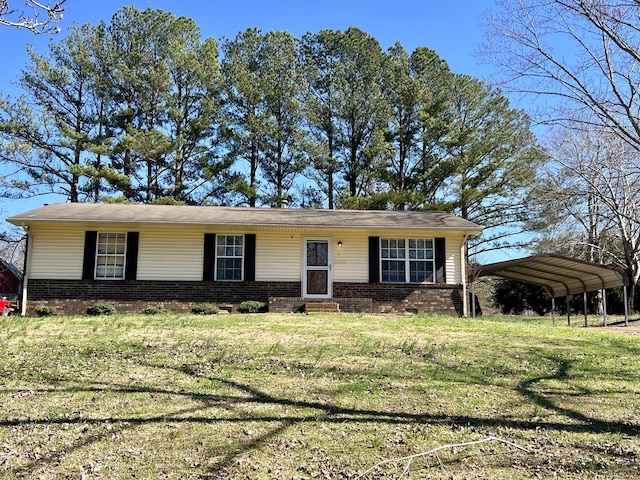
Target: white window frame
406, 259
217, 257
114, 255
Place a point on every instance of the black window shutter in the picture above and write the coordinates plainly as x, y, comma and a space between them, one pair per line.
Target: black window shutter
89, 260
250, 257
441, 260
374, 259
131, 266
209, 256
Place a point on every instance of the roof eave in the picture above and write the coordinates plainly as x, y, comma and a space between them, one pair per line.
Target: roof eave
26, 221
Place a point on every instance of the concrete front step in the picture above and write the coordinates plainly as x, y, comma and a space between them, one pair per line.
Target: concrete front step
322, 307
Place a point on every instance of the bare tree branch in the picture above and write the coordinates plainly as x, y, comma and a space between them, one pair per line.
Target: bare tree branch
38, 17
434, 451
582, 52
589, 199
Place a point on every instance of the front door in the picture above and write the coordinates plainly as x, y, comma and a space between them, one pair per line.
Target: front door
316, 270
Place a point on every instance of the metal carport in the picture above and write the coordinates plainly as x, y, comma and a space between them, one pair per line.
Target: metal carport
562, 276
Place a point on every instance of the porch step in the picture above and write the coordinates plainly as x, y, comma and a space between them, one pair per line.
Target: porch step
322, 307
297, 304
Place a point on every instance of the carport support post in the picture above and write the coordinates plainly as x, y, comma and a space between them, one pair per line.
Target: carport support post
568, 311
584, 308
604, 307
553, 310
473, 298
626, 308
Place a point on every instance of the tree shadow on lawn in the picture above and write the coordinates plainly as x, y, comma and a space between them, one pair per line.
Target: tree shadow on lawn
324, 412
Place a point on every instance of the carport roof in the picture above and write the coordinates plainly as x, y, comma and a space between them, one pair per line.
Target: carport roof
561, 275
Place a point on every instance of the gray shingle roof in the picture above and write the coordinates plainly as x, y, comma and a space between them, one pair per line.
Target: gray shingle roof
196, 215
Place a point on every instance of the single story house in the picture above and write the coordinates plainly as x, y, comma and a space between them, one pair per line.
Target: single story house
132, 256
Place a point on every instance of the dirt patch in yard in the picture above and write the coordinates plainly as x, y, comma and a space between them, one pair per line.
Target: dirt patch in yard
633, 328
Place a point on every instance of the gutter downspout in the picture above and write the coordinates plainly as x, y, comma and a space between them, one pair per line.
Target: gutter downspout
463, 273
25, 273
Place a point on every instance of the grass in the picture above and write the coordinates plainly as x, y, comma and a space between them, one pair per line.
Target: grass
323, 396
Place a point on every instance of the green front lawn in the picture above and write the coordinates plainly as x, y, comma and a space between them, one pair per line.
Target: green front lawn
319, 396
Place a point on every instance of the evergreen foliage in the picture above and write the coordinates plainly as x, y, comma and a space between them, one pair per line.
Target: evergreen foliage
142, 109
513, 297
205, 309
153, 310
251, 306
44, 310
101, 309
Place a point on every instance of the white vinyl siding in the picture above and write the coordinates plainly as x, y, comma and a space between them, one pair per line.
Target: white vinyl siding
170, 253
351, 260
56, 252
278, 257
452, 258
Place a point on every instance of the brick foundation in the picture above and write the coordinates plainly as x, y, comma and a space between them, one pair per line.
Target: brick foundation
74, 296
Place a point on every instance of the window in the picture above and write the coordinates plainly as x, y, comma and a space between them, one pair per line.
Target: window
229, 257
110, 256
407, 260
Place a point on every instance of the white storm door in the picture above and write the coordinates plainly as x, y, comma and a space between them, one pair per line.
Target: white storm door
317, 279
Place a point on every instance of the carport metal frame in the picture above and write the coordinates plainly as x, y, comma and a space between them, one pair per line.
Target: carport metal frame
561, 276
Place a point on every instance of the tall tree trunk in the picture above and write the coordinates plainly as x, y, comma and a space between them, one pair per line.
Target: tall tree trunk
253, 173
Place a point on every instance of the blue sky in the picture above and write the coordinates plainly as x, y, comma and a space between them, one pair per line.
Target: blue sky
450, 28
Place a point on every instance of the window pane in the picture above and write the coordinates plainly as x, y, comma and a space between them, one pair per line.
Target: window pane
392, 248
317, 282
421, 249
229, 269
421, 272
412, 256
110, 255
317, 254
393, 271
229, 254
